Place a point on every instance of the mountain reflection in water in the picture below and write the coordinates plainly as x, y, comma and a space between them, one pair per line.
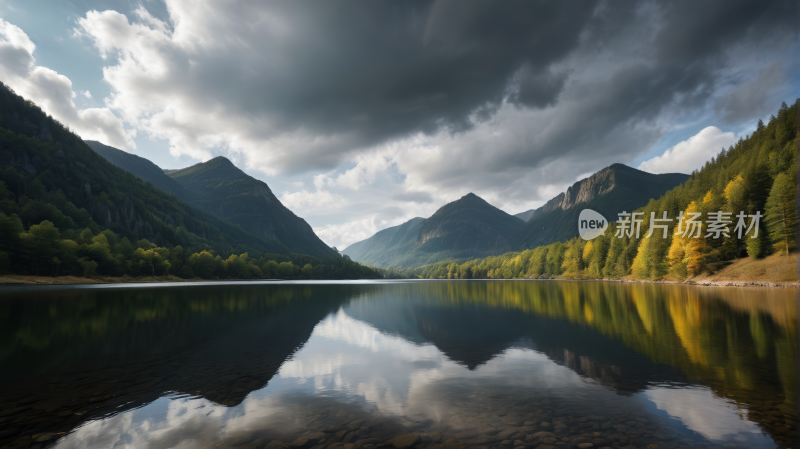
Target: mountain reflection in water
243, 365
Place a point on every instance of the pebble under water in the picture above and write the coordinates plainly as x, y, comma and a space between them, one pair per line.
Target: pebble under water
428, 365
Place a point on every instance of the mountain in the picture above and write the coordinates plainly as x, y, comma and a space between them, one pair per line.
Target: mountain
464, 229
610, 191
66, 210
470, 227
525, 216
142, 168
49, 173
387, 245
221, 188
217, 186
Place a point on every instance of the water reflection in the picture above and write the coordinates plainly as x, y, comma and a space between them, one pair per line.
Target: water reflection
258, 365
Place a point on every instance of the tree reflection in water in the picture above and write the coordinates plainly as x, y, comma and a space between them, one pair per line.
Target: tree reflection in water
76, 355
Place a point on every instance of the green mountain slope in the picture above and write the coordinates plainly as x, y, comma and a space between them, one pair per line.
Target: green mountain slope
610, 191
525, 216
464, 229
49, 173
229, 193
386, 246
251, 198
142, 168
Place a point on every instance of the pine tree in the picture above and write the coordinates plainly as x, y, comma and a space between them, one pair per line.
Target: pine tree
781, 219
757, 186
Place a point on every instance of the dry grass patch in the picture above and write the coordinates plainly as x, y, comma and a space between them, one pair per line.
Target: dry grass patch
775, 268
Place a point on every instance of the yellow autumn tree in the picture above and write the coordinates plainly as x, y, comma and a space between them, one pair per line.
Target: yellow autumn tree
686, 253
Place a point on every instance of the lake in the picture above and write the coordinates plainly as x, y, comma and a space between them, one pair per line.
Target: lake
429, 364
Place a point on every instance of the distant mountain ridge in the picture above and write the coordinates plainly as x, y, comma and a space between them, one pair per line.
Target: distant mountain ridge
610, 191
464, 229
470, 226
143, 168
525, 216
385, 245
226, 191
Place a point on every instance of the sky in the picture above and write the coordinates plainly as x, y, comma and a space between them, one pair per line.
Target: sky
361, 115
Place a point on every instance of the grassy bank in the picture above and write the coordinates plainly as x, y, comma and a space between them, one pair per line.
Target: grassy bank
771, 271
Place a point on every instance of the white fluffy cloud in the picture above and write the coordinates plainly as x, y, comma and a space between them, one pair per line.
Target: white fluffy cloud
53, 92
387, 112
193, 82
690, 154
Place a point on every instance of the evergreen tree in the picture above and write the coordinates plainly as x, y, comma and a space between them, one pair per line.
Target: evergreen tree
757, 186
781, 219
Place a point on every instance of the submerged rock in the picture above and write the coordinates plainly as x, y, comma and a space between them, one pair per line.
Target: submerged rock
405, 441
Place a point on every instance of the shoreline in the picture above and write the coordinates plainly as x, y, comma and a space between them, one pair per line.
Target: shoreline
26, 280
15, 280
716, 283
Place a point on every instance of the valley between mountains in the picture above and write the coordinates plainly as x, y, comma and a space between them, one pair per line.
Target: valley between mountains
82, 208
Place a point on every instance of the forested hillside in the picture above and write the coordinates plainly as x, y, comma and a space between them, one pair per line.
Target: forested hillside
466, 228
386, 245
142, 168
754, 176
64, 209
525, 216
221, 188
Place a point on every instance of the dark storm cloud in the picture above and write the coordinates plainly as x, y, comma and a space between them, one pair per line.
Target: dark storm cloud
534, 88
389, 68
749, 99
305, 85
636, 71
386, 69
698, 30
677, 74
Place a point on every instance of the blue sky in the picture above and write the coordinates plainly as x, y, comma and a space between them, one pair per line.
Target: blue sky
361, 116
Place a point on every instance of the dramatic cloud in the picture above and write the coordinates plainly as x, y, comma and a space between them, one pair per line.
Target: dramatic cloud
300, 85
750, 99
387, 110
53, 92
690, 154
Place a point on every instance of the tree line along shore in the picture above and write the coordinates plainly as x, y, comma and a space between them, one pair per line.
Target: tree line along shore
754, 176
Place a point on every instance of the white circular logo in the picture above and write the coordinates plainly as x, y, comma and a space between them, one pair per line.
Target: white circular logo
591, 224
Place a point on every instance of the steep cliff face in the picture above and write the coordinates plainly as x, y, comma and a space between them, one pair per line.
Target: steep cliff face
587, 189
125, 215
609, 191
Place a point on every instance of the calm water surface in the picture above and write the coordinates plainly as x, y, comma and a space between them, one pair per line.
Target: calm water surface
457, 363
